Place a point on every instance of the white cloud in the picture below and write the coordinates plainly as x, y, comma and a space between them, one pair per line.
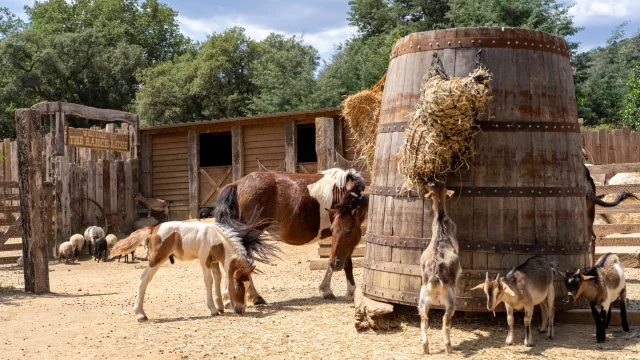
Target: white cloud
324, 41
604, 12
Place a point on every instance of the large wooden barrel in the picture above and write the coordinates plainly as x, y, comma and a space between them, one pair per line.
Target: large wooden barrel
523, 194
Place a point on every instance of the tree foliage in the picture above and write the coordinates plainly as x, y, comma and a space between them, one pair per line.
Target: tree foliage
630, 113
361, 61
602, 77
85, 51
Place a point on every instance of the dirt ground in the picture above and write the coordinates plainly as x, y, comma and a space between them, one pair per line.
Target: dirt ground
89, 315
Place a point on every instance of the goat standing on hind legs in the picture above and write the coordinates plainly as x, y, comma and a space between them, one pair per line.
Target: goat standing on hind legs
440, 267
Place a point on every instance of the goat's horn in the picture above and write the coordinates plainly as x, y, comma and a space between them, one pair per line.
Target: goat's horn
487, 276
497, 276
578, 272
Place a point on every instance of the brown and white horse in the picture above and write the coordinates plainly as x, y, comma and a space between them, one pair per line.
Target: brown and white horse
234, 246
303, 207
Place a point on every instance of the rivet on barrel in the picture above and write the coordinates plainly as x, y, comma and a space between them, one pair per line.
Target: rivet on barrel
419, 47
516, 43
437, 44
449, 43
525, 44
508, 42
430, 44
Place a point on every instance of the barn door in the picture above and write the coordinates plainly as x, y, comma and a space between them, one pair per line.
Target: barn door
212, 180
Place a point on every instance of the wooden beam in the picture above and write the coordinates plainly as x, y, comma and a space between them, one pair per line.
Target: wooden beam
85, 112
290, 146
614, 189
601, 230
237, 149
32, 200
622, 208
613, 168
106, 186
6, 144
193, 144
325, 134
59, 133
146, 148
121, 187
338, 141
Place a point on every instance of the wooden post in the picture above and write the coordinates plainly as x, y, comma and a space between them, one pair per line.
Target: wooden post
121, 187
290, 146
106, 186
338, 141
325, 134
6, 144
145, 165
49, 233
59, 133
237, 158
113, 186
65, 182
193, 146
34, 239
128, 195
135, 184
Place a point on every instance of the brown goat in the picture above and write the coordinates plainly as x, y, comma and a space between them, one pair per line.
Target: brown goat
440, 267
154, 204
526, 285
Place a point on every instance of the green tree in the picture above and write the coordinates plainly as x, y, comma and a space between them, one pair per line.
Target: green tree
283, 75
362, 60
211, 82
601, 78
630, 114
9, 23
150, 24
84, 51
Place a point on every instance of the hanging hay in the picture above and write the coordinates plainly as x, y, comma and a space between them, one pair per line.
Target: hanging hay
362, 112
439, 139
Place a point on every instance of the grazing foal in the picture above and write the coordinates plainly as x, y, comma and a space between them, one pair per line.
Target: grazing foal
234, 246
440, 267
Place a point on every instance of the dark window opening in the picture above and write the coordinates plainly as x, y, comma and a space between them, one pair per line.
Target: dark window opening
307, 143
215, 149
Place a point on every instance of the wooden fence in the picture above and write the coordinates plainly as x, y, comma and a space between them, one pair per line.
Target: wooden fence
620, 146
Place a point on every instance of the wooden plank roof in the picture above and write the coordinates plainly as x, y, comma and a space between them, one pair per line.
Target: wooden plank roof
227, 124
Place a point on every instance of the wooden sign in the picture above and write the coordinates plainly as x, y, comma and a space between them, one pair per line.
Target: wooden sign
96, 139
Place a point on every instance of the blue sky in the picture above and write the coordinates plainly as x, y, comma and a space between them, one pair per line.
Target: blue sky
324, 22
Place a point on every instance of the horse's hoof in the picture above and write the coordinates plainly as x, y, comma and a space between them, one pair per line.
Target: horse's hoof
448, 348
141, 318
259, 300
329, 296
425, 349
528, 344
220, 312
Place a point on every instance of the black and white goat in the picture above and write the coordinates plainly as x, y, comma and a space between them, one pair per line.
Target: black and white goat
600, 286
525, 286
440, 268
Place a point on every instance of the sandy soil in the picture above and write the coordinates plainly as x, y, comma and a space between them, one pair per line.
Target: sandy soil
89, 316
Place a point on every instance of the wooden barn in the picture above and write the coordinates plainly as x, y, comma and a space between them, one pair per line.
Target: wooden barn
188, 163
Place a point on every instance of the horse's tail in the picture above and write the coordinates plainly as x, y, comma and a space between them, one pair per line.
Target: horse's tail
226, 210
620, 198
129, 244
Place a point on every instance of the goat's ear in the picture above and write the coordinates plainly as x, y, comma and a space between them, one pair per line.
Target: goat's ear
450, 193
428, 195
587, 277
478, 287
562, 273
332, 212
507, 289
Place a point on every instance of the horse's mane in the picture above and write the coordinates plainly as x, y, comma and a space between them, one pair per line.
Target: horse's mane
323, 189
255, 243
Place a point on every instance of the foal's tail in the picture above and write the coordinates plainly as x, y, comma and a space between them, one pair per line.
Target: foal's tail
129, 244
226, 210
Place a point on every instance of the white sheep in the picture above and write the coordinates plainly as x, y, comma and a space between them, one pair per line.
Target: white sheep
77, 241
20, 261
90, 233
111, 241
66, 251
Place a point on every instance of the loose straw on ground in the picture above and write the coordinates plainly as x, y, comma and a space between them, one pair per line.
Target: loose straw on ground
362, 112
439, 139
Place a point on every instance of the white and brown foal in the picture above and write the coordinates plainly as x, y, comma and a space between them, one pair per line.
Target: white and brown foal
233, 247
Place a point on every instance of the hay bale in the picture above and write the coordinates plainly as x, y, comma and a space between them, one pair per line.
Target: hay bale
439, 139
362, 112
